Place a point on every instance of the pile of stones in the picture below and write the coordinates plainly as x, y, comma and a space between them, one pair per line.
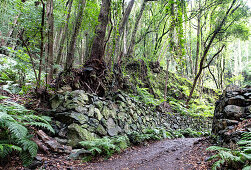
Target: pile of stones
232, 115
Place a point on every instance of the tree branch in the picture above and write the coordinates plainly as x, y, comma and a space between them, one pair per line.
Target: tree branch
213, 57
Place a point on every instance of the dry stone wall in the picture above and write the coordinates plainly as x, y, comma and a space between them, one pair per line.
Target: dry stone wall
80, 116
232, 114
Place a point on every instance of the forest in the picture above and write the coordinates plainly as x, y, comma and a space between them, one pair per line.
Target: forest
93, 79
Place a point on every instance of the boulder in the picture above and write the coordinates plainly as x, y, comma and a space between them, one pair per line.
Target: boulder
101, 130
71, 116
233, 112
77, 134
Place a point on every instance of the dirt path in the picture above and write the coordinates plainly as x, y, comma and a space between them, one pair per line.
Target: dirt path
176, 154
166, 155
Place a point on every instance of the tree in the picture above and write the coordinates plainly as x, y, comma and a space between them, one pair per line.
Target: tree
78, 22
222, 24
50, 17
65, 31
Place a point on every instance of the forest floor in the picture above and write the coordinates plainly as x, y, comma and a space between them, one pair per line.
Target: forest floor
175, 154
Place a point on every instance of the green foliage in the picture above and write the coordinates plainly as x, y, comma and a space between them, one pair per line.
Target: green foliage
233, 158
189, 132
106, 146
14, 134
146, 97
137, 138
16, 72
199, 107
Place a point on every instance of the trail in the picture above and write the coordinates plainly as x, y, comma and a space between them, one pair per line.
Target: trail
166, 154
169, 154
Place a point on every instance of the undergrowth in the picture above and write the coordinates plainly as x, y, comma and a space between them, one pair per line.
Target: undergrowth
233, 158
107, 146
16, 131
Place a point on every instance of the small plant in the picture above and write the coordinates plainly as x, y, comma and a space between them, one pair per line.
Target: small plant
137, 138
15, 134
105, 146
240, 157
146, 97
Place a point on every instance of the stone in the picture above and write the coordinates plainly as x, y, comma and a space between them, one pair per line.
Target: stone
113, 131
101, 130
98, 115
112, 128
121, 115
139, 120
175, 126
70, 117
81, 109
108, 113
79, 117
61, 141
147, 118
120, 97
135, 116
81, 95
129, 102
113, 113
104, 122
144, 120
99, 104
237, 100
126, 128
77, 134
134, 127
233, 112
247, 95
113, 106
91, 111
56, 101
123, 105
79, 153
93, 122
63, 132
110, 123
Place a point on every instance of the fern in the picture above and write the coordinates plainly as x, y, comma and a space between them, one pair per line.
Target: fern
41, 125
234, 158
15, 136
102, 146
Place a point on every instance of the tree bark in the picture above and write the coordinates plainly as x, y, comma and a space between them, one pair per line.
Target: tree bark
41, 46
133, 37
70, 53
122, 26
198, 43
50, 39
65, 31
165, 90
98, 50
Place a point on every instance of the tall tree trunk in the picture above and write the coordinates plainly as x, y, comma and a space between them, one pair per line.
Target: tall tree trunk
166, 81
171, 48
133, 36
50, 39
41, 46
78, 22
61, 46
122, 27
98, 50
198, 42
